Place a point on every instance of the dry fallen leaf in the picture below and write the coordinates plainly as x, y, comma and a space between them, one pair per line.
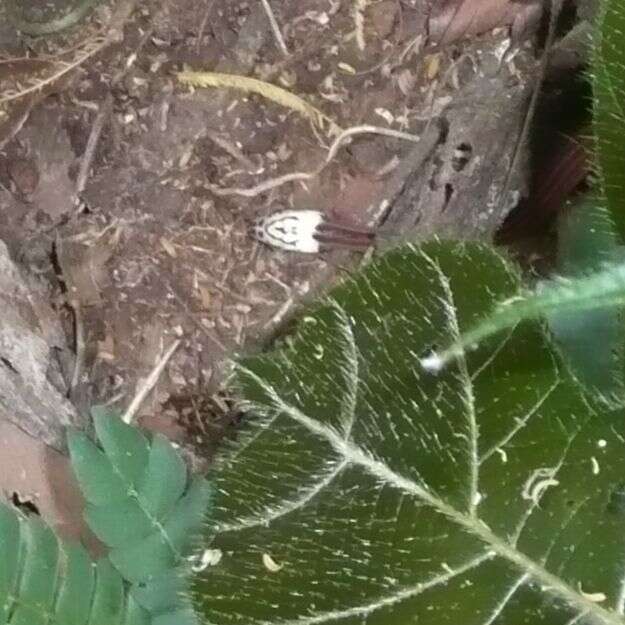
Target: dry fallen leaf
455, 19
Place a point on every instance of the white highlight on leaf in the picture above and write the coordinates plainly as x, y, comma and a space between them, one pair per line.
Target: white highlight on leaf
432, 363
595, 597
493, 354
349, 369
595, 465
535, 503
576, 618
208, 557
619, 607
601, 443
502, 453
270, 564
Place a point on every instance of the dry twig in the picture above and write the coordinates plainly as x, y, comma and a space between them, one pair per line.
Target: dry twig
149, 383
272, 183
92, 142
275, 29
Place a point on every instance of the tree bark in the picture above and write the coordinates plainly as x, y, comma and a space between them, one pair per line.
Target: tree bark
32, 394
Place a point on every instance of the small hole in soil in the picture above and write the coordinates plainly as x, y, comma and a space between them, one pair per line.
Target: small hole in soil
24, 504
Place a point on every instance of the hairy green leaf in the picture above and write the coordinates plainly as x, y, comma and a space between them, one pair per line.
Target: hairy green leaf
608, 68
599, 291
591, 340
365, 490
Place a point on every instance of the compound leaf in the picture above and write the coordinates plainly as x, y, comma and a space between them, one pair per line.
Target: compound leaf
52, 582
141, 502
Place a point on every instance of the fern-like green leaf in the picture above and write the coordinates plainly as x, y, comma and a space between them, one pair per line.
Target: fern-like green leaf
41, 553
9, 554
170, 589
146, 510
125, 446
162, 549
74, 599
140, 503
46, 581
143, 505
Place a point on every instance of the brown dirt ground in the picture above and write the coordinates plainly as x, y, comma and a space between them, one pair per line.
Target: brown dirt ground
148, 252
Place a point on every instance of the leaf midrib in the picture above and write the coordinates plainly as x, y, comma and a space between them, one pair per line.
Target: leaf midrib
549, 582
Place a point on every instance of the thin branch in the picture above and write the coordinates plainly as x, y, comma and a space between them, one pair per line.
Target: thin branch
92, 142
275, 29
149, 383
272, 183
79, 362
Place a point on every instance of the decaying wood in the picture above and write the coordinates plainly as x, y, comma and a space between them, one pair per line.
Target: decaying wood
449, 197
479, 171
31, 384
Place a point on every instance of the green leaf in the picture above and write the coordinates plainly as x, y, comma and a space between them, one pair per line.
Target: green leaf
76, 586
135, 614
600, 291
125, 447
165, 478
608, 71
163, 593
37, 583
119, 524
108, 598
182, 524
146, 510
9, 557
142, 503
591, 340
162, 551
365, 490
49, 582
100, 483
